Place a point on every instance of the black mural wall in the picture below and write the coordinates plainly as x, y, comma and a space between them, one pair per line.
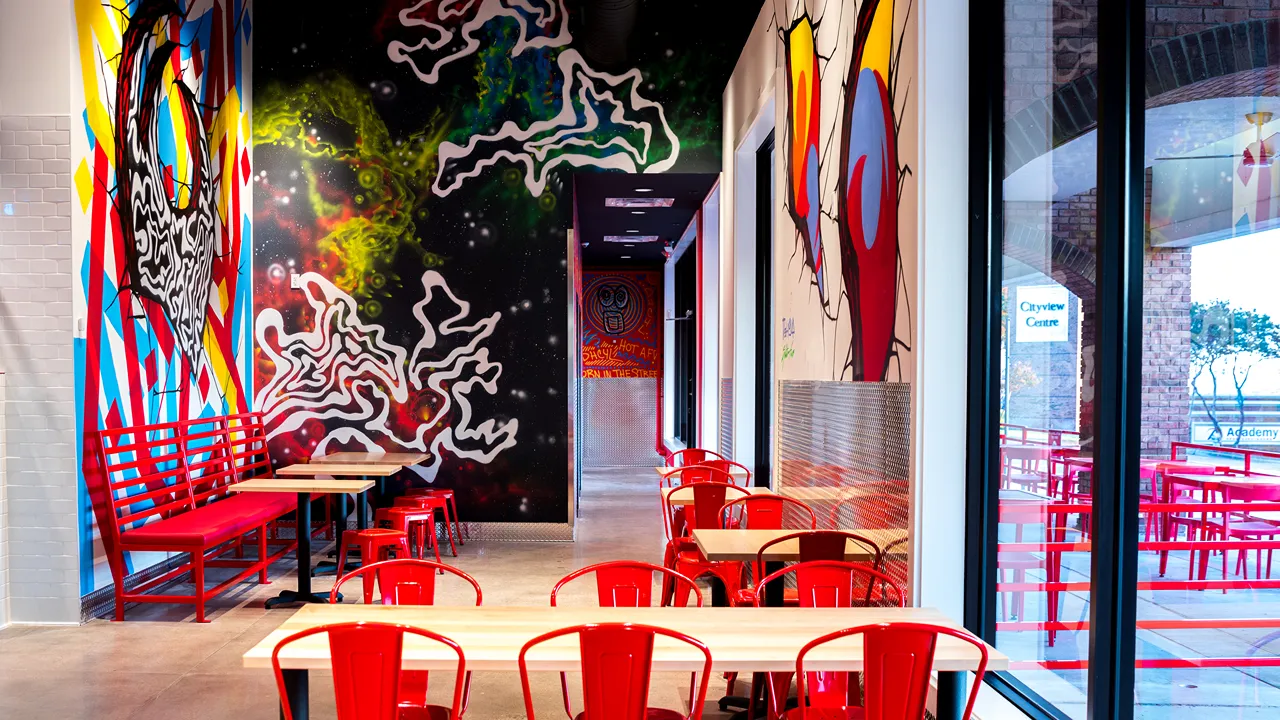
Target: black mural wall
412, 184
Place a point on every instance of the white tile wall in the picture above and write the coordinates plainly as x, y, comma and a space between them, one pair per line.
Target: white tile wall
4, 536
36, 356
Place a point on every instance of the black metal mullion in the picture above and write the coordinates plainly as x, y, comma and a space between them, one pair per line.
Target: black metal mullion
986, 161
1118, 361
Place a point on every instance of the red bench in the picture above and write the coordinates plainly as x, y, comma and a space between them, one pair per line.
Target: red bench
169, 486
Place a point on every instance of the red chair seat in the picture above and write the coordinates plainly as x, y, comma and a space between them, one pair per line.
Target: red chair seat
204, 526
845, 713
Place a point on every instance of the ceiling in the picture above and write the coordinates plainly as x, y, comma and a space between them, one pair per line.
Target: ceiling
596, 220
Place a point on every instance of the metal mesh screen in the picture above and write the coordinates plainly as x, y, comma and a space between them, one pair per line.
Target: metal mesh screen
620, 421
843, 449
726, 417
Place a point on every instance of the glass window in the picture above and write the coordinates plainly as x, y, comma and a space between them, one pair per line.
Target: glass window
1208, 630
1047, 347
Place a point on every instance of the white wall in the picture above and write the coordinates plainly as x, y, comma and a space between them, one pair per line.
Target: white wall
35, 311
4, 535
942, 299
710, 369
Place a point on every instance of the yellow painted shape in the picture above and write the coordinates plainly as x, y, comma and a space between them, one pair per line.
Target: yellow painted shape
84, 185
879, 48
99, 38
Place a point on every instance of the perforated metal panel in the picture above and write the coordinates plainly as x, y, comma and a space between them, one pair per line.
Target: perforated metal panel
844, 449
620, 421
726, 417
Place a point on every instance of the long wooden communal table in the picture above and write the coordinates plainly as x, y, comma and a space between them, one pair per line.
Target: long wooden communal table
740, 639
304, 488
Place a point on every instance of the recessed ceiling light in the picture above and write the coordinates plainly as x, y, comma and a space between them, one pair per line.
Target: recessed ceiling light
628, 246
633, 231
637, 212
631, 239
644, 189
626, 257
639, 202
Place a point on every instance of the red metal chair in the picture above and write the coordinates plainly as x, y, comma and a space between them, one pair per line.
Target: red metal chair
815, 545
676, 513
403, 582
408, 582
728, 466
827, 584
617, 661
692, 456
450, 511
1025, 466
367, 677
418, 521
682, 554
765, 512
1244, 526
898, 661
373, 543
626, 583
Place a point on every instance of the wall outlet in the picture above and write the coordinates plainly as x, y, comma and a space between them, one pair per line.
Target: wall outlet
295, 280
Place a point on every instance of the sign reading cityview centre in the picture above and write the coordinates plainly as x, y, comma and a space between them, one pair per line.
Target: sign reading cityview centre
1040, 313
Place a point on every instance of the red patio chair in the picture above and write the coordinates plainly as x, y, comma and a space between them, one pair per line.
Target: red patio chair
898, 662
682, 554
765, 512
1244, 526
408, 582
1190, 495
617, 661
367, 677
1025, 466
827, 584
626, 583
692, 456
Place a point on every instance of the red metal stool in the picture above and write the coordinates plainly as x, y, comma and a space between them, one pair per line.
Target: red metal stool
416, 523
452, 510
372, 543
430, 503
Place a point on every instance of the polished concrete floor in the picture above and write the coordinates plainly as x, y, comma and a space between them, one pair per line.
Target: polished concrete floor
161, 664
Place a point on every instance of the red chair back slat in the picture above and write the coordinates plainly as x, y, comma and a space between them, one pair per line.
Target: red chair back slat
898, 660
708, 498
625, 583
617, 662
692, 456
834, 584
366, 660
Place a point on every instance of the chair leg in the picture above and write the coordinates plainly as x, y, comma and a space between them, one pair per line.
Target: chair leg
342, 557
457, 524
447, 529
197, 574
120, 600
262, 555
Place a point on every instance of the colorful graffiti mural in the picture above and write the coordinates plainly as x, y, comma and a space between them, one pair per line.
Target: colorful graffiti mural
621, 335
857, 192
413, 197
161, 176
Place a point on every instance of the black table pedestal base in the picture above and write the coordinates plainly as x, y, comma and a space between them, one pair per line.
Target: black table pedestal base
293, 597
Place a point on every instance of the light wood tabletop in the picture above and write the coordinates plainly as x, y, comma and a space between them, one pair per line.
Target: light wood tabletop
372, 458
743, 545
339, 470
686, 497
307, 485
491, 637
734, 471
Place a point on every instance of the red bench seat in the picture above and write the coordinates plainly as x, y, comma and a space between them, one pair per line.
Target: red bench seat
211, 524
170, 486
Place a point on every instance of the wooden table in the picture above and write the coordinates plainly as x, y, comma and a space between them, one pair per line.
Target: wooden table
304, 488
362, 471
491, 638
364, 458
686, 498
744, 545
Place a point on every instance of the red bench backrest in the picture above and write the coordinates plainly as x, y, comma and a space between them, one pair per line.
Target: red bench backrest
207, 452
146, 473
247, 441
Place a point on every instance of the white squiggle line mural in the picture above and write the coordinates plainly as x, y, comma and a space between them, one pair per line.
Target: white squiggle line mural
546, 14
544, 144
343, 368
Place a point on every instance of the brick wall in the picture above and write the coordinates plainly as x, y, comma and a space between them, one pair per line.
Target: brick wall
36, 355
4, 535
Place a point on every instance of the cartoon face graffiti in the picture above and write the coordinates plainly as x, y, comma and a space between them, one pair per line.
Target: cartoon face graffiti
613, 301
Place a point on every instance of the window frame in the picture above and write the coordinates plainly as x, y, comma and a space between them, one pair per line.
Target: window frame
1118, 362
